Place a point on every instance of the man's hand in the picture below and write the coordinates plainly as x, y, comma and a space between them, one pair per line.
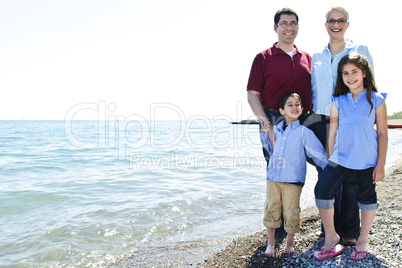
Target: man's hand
253, 98
266, 126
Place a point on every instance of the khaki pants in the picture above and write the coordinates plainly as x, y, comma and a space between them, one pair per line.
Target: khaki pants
283, 198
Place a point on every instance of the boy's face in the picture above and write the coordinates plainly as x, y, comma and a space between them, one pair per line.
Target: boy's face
292, 109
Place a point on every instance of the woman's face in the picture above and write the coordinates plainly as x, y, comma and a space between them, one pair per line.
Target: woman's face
336, 25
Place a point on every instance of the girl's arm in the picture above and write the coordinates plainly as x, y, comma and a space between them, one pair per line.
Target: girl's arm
382, 132
333, 127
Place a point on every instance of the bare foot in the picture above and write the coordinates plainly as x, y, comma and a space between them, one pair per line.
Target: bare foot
270, 252
331, 241
361, 244
289, 245
289, 250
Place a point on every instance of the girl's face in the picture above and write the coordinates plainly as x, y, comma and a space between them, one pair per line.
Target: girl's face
353, 77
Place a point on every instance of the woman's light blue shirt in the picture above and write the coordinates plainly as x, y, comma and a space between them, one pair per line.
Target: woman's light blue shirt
356, 145
324, 74
288, 158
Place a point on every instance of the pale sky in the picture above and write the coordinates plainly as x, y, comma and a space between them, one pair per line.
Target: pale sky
67, 58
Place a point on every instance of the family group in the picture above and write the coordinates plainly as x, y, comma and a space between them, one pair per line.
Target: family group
322, 110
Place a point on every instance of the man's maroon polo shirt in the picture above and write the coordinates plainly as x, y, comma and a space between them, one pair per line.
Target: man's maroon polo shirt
275, 73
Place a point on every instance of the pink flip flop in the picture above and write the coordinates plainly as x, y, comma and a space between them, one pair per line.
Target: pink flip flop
358, 252
335, 250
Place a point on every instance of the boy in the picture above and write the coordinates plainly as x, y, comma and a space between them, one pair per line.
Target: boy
286, 171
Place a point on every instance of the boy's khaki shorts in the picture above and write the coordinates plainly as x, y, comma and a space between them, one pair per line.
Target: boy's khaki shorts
283, 197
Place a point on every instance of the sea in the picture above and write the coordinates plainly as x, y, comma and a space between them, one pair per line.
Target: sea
77, 193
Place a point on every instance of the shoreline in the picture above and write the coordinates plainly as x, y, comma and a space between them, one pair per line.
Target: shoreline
384, 239
247, 250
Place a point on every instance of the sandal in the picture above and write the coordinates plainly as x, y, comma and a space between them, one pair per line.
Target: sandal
335, 250
356, 253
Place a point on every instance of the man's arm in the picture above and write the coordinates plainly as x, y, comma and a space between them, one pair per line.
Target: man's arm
253, 98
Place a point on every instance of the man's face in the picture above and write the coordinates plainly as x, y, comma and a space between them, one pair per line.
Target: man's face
287, 29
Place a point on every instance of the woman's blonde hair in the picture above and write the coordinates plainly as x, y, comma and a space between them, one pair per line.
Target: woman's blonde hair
341, 9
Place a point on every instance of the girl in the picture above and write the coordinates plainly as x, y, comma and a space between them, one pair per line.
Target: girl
357, 151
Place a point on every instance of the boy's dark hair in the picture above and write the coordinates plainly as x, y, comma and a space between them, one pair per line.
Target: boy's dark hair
287, 11
285, 97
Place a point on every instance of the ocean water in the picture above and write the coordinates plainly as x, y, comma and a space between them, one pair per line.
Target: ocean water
93, 193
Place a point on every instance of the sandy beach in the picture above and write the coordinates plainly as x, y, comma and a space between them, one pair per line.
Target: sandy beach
384, 238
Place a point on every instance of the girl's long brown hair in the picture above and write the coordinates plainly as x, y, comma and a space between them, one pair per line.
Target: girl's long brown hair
360, 62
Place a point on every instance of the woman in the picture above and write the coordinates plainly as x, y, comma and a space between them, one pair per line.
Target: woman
323, 80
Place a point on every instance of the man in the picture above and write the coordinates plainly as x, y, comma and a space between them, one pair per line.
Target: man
280, 69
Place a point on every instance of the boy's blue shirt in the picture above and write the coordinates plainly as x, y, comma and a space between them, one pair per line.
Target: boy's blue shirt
287, 161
